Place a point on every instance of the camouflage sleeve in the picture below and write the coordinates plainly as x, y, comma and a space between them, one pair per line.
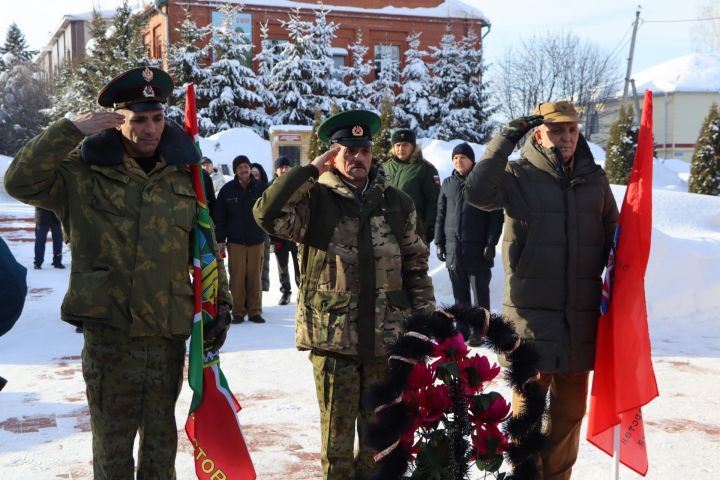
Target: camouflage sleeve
486, 187
35, 176
415, 253
284, 208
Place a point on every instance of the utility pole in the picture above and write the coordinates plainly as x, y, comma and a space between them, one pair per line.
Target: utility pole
632, 52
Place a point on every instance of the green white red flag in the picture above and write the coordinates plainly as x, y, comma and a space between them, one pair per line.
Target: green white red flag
624, 379
212, 425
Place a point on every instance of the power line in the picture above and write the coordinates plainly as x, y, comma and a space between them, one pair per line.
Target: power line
681, 21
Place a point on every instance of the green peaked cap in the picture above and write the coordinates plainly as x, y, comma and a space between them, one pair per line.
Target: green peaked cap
354, 128
138, 89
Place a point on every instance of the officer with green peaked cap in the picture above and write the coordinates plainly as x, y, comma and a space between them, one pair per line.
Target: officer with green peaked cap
364, 270
354, 128
139, 89
119, 181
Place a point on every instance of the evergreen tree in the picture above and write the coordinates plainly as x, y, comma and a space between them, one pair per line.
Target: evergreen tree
266, 58
386, 82
621, 146
325, 82
23, 95
185, 65
412, 105
705, 164
15, 48
291, 76
232, 86
316, 146
448, 71
381, 146
358, 91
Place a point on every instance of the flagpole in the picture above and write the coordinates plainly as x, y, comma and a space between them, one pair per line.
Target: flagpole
616, 452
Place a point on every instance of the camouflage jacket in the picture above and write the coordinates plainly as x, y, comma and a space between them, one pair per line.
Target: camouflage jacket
129, 232
358, 280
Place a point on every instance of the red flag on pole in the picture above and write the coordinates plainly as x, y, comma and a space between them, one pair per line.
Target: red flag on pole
624, 379
212, 425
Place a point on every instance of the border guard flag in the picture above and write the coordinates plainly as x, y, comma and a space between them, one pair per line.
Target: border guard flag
624, 379
212, 425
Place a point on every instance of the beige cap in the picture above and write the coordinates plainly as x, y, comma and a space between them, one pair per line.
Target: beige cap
556, 112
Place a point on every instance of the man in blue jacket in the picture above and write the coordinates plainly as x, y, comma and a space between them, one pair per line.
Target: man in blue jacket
235, 227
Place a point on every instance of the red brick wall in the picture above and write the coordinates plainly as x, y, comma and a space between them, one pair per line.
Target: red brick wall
376, 29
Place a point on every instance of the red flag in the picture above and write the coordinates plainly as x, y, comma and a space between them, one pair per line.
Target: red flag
212, 425
624, 379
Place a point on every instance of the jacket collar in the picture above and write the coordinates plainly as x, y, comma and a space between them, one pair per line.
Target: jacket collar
548, 160
106, 148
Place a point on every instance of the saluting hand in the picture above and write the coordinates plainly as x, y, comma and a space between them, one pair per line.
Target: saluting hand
516, 129
325, 161
91, 123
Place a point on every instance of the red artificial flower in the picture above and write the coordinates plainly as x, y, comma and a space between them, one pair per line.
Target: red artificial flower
481, 365
452, 348
495, 410
421, 376
434, 402
488, 440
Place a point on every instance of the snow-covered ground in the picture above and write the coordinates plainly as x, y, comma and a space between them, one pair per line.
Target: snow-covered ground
44, 424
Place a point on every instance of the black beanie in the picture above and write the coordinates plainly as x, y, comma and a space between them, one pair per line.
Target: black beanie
283, 162
464, 149
238, 160
403, 135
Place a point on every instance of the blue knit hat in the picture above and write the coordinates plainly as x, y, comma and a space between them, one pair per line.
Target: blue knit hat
463, 149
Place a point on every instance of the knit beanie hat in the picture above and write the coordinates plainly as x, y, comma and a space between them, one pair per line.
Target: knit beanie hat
238, 160
464, 149
283, 162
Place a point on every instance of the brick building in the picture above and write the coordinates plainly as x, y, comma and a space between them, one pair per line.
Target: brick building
382, 26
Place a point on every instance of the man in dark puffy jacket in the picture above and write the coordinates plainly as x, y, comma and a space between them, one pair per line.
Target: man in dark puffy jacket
560, 216
408, 171
236, 228
283, 248
466, 237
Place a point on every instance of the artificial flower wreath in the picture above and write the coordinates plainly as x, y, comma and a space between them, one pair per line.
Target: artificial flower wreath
433, 417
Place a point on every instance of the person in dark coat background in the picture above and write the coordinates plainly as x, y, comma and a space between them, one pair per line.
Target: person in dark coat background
466, 237
260, 175
236, 227
283, 248
208, 185
46, 220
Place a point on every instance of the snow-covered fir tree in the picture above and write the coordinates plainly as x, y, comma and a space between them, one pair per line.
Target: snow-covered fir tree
460, 100
232, 86
265, 59
381, 140
15, 48
325, 82
621, 146
290, 78
110, 52
386, 82
705, 164
358, 91
412, 105
23, 94
186, 60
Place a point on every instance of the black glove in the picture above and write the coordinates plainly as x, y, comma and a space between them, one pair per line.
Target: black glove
516, 129
215, 331
489, 253
441, 252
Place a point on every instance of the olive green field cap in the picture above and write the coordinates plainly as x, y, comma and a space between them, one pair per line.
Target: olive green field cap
354, 128
138, 89
557, 112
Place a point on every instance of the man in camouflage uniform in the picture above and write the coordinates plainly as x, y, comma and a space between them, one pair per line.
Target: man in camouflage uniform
363, 270
407, 170
126, 199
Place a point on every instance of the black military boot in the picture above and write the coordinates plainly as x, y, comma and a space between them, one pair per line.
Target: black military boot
285, 299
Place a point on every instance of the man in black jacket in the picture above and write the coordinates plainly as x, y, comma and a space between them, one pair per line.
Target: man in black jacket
235, 227
283, 248
466, 237
46, 220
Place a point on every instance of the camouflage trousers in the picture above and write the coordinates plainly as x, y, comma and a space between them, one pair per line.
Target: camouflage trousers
132, 384
341, 383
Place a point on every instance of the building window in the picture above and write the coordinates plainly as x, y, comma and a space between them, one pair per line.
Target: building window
157, 42
338, 56
384, 53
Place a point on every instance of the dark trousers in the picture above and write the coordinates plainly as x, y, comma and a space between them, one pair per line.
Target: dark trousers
132, 386
282, 256
478, 281
41, 231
